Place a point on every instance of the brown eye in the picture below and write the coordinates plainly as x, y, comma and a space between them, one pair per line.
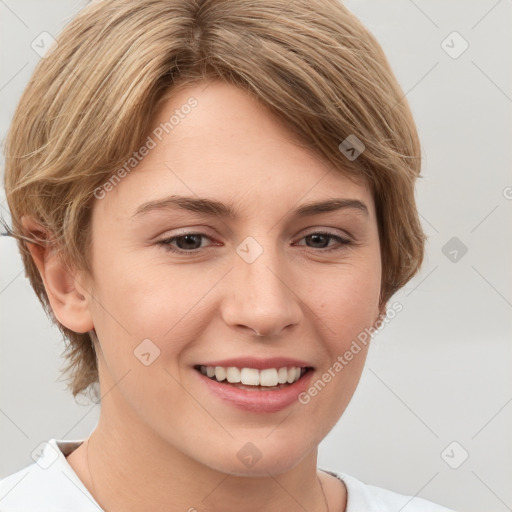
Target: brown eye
320, 240
184, 243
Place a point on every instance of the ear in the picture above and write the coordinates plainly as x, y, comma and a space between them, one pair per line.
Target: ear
67, 295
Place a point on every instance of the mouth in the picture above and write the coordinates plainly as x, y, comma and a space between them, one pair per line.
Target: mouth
255, 385
254, 379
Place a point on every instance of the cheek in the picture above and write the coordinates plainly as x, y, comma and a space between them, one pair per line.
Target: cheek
138, 302
148, 295
347, 306
347, 302
137, 308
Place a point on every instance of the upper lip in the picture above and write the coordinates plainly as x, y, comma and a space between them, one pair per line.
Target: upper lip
260, 364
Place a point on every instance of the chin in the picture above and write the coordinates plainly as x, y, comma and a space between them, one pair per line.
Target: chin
258, 457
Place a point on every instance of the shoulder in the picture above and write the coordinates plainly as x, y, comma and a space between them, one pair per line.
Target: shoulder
48, 484
362, 497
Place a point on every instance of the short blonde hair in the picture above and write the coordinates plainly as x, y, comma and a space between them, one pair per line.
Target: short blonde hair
89, 103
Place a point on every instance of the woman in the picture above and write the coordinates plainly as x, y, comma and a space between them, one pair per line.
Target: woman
213, 200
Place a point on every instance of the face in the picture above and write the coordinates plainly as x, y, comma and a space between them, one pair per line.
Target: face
181, 287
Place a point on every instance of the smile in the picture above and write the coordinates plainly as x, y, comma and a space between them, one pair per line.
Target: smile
253, 377
255, 385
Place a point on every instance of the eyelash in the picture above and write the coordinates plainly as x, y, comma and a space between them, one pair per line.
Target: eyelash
166, 243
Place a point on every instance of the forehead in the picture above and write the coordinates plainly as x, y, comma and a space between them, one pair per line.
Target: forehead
214, 140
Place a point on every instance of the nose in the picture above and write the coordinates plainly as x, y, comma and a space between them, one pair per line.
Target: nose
261, 295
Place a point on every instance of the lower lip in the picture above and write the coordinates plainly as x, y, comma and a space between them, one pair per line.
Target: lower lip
257, 400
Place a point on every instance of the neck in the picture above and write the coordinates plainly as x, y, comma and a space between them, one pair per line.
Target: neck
131, 468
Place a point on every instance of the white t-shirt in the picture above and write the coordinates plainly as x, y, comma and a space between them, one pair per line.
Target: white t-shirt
51, 485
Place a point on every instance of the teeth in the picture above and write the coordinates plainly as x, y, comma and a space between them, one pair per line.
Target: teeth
220, 373
250, 376
233, 374
269, 377
292, 375
282, 375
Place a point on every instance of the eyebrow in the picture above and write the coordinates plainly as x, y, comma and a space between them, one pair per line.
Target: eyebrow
216, 208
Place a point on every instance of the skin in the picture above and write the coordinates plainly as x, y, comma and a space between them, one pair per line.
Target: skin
163, 441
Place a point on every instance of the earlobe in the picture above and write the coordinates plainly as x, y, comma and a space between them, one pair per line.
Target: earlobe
66, 294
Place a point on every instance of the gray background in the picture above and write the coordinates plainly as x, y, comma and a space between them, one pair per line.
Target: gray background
440, 372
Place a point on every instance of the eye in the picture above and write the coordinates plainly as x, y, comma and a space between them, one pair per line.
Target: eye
320, 240
185, 243
188, 243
